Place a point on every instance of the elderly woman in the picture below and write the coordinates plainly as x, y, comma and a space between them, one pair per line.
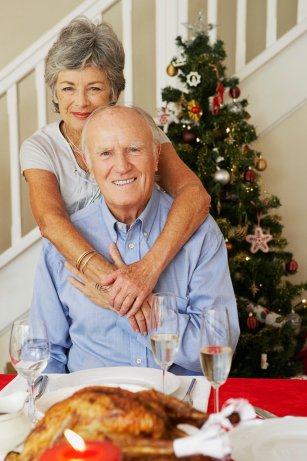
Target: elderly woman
84, 69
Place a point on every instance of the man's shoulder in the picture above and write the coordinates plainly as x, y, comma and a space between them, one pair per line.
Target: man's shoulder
88, 213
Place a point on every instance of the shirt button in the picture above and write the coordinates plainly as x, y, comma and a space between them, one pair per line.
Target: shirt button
145, 234
114, 238
120, 225
138, 361
131, 246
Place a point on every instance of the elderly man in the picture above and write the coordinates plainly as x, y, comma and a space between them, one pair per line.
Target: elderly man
122, 150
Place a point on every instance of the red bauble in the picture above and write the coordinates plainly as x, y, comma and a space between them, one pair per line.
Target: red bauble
189, 136
229, 246
249, 175
291, 266
234, 92
251, 321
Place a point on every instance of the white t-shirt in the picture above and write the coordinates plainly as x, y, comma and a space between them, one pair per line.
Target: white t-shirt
47, 149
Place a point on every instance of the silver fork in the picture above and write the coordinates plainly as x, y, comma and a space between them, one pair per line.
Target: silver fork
188, 396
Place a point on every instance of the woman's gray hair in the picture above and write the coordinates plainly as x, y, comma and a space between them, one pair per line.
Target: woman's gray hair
81, 43
148, 119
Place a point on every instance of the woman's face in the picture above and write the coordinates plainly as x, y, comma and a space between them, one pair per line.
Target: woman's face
79, 92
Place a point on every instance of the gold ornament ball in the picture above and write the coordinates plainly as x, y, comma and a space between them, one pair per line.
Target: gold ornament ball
261, 164
171, 70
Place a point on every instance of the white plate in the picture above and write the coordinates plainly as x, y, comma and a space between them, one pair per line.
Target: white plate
280, 439
145, 378
133, 379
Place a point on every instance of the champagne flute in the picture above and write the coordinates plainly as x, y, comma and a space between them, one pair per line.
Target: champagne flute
215, 349
164, 330
29, 354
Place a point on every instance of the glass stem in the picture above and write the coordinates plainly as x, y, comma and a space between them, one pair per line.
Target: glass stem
216, 400
31, 411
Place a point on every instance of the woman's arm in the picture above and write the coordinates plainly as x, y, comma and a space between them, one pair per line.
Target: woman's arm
190, 208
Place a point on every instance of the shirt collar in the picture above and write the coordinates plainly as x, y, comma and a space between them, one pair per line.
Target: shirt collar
146, 218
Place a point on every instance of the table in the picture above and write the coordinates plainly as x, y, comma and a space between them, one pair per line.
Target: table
279, 396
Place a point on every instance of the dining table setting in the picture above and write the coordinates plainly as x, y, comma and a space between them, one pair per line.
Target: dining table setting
134, 413
282, 399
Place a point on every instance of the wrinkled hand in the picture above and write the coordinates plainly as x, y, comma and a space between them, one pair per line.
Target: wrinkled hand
129, 285
99, 294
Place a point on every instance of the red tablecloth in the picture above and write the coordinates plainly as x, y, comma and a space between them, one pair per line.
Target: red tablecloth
279, 396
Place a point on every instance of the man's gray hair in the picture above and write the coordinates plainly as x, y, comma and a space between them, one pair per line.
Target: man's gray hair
147, 118
83, 43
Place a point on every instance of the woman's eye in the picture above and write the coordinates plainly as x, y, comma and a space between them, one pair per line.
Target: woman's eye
67, 89
95, 89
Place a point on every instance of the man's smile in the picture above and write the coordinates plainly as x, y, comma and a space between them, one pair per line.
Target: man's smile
123, 182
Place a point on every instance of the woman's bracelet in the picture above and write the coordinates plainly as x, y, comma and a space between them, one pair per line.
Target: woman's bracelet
85, 263
80, 259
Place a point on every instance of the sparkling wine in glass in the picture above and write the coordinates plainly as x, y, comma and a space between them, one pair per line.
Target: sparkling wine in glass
215, 349
164, 330
29, 354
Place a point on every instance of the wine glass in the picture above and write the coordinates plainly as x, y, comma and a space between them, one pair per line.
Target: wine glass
215, 349
29, 354
164, 330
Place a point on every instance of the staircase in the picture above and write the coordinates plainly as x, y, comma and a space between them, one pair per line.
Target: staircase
278, 73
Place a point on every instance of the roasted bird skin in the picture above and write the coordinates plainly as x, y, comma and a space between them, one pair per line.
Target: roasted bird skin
142, 424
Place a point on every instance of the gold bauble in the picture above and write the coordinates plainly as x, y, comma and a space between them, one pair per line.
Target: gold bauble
261, 164
171, 70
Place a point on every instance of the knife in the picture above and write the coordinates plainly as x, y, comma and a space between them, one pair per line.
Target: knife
264, 414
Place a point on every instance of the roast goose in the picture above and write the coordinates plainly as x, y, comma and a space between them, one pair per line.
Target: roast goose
142, 424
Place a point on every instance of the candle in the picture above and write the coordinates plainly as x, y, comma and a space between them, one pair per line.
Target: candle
94, 451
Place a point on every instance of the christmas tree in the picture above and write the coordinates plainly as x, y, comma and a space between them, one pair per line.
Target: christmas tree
210, 128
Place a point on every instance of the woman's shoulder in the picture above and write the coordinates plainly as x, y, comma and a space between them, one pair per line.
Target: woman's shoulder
47, 134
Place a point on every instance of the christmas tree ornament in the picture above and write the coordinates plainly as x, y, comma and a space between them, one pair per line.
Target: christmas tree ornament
291, 266
189, 136
254, 289
261, 164
194, 110
215, 105
234, 92
200, 26
171, 70
180, 61
259, 240
222, 176
251, 321
264, 315
295, 321
229, 246
238, 232
249, 175
264, 362
193, 79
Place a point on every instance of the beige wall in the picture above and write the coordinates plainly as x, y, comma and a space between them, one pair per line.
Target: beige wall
285, 149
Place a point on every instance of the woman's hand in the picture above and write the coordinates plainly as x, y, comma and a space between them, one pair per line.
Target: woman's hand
130, 285
99, 294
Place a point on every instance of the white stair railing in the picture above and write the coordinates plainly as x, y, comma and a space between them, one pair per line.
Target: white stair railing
170, 16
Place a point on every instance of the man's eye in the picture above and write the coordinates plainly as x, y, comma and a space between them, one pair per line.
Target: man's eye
133, 150
105, 154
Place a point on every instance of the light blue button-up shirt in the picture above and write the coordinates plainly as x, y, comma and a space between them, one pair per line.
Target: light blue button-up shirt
84, 335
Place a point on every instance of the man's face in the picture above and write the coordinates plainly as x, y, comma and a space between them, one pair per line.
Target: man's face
123, 163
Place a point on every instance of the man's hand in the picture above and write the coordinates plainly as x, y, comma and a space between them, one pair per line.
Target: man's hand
99, 294
129, 285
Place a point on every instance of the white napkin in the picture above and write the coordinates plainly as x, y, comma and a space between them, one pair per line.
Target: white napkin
213, 437
13, 402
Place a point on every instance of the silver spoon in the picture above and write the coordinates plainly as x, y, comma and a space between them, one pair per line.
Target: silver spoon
42, 386
188, 397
